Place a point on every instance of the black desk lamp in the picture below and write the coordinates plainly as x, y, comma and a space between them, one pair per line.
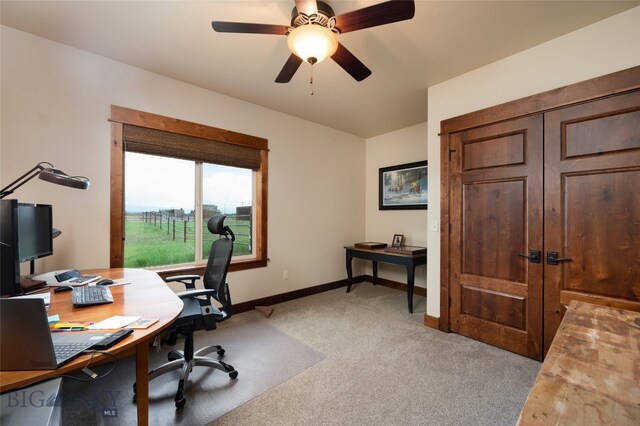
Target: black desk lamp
46, 172
49, 174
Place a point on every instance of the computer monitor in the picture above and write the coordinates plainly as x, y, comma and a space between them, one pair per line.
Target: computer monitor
35, 231
26, 234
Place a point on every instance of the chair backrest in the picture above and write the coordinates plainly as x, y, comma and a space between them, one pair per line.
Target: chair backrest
215, 275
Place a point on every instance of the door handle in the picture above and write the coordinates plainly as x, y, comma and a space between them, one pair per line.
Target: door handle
534, 256
553, 259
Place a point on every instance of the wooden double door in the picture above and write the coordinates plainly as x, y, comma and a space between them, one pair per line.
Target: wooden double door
543, 209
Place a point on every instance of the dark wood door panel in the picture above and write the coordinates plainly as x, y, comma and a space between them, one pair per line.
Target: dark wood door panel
497, 307
496, 294
589, 137
495, 151
492, 229
592, 206
605, 126
498, 335
602, 234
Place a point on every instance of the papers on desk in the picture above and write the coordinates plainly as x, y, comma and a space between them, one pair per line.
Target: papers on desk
142, 323
114, 322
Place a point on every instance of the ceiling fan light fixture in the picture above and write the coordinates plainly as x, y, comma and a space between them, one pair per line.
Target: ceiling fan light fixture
312, 43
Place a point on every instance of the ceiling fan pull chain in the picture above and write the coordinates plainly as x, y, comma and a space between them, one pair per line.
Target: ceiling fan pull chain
311, 80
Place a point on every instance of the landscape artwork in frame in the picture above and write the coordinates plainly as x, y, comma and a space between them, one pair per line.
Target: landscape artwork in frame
403, 187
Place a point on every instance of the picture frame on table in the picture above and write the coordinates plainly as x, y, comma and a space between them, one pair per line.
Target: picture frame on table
398, 240
403, 187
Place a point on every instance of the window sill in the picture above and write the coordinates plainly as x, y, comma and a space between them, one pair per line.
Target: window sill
198, 268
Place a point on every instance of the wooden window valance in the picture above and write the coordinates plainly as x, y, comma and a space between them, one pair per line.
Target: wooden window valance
155, 134
168, 144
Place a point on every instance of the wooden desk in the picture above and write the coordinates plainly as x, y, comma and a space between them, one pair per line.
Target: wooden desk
380, 255
147, 296
591, 374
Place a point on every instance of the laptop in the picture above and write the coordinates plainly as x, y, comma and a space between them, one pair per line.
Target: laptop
27, 343
75, 277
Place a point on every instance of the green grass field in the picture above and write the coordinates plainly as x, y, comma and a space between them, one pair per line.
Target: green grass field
147, 244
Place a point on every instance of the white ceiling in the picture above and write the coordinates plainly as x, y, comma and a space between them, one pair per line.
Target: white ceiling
175, 39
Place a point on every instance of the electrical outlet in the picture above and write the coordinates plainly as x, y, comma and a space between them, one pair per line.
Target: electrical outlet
434, 226
285, 274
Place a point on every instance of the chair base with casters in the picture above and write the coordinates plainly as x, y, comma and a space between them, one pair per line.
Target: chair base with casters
185, 361
199, 313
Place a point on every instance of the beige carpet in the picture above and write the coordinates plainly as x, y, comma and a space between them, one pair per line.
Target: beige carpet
381, 366
263, 355
384, 367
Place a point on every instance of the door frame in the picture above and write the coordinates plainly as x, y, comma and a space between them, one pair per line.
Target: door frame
588, 90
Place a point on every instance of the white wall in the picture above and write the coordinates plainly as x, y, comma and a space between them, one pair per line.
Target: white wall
602, 48
55, 102
402, 146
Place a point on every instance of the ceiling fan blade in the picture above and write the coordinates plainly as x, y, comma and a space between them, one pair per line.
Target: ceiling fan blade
308, 7
350, 63
289, 69
378, 14
242, 27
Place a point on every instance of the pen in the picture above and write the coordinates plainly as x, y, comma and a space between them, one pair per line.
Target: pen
72, 325
60, 330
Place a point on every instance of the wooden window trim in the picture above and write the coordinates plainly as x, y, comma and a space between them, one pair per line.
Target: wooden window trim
120, 117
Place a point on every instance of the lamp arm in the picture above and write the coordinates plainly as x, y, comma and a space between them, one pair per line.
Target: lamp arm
35, 171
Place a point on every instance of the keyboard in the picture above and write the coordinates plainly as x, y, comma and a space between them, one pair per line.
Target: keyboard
91, 295
69, 351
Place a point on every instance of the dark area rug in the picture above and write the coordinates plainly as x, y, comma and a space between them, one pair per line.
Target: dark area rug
263, 355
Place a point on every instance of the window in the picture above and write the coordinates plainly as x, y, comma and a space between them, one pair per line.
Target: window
169, 177
168, 202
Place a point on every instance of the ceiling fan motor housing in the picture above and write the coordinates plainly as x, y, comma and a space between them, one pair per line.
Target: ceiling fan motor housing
325, 17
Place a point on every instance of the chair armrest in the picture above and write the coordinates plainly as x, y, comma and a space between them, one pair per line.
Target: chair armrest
189, 281
190, 294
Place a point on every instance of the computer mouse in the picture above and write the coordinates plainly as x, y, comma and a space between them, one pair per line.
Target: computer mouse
105, 281
62, 288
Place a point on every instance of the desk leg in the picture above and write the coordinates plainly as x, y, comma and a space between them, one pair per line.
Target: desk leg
411, 274
142, 382
374, 266
349, 271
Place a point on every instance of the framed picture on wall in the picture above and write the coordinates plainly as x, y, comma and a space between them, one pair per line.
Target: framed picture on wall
403, 187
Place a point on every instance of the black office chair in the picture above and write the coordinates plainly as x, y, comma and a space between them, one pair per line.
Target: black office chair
199, 313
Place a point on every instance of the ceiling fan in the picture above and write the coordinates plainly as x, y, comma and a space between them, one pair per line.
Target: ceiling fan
312, 35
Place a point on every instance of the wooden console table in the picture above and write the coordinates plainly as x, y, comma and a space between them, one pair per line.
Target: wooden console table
591, 374
380, 255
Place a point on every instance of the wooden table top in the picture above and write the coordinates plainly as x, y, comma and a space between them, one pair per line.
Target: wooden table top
404, 251
147, 296
591, 374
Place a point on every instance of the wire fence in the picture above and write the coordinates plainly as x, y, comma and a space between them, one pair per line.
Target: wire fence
175, 225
